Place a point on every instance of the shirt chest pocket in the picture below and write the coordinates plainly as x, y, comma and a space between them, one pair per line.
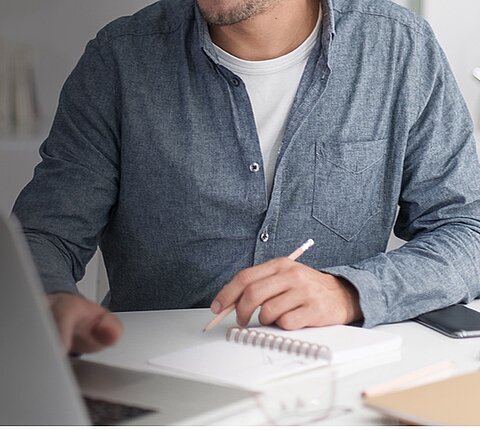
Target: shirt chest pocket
349, 184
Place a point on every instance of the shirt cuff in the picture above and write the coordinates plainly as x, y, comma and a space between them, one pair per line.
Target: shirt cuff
372, 301
53, 270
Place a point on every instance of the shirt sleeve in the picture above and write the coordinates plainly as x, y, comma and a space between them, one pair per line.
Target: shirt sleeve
65, 207
439, 207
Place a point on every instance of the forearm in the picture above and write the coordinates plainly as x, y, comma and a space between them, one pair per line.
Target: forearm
434, 270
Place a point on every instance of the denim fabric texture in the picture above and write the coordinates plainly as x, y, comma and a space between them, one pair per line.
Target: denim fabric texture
150, 151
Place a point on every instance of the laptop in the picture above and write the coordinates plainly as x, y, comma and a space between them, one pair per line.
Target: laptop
39, 385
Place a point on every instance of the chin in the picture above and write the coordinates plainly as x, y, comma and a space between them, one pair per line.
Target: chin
219, 6
228, 12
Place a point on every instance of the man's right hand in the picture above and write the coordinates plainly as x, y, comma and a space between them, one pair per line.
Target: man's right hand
83, 326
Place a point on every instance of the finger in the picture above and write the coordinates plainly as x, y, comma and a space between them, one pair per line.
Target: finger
277, 306
63, 329
84, 343
294, 319
231, 292
107, 330
65, 323
257, 293
68, 310
95, 333
83, 339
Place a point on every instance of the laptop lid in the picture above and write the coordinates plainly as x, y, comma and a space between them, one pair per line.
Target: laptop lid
36, 382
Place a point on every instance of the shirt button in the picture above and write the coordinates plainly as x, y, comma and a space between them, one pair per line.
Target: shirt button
254, 167
264, 237
235, 82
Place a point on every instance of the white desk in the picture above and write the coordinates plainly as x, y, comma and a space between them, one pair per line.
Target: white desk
149, 334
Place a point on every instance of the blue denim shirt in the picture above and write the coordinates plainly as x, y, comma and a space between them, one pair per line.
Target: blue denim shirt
150, 150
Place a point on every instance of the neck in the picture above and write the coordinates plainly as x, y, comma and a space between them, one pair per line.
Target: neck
272, 34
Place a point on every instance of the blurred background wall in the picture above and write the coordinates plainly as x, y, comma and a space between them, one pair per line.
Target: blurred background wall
56, 31
457, 26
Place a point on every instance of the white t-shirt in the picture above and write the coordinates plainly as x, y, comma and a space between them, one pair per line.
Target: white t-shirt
271, 86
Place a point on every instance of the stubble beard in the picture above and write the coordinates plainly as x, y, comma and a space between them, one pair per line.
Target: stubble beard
237, 13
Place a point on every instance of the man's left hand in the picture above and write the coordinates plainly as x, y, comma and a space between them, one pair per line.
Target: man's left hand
291, 295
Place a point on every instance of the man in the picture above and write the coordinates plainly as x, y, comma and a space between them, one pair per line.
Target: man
199, 143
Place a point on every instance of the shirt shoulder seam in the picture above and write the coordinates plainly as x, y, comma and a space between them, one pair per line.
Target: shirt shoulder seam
414, 27
110, 37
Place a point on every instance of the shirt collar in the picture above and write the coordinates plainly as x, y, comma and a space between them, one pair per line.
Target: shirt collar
327, 34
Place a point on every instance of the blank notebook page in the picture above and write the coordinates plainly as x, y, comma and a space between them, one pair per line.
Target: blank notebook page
248, 365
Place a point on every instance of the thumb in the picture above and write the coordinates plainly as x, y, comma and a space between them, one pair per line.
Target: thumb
108, 329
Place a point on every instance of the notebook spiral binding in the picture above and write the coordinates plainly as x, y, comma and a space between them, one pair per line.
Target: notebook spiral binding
258, 338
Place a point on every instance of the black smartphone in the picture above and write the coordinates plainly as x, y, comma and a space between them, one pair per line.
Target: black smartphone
454, 321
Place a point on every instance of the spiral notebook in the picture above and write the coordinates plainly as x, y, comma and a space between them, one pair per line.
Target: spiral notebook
254, 356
